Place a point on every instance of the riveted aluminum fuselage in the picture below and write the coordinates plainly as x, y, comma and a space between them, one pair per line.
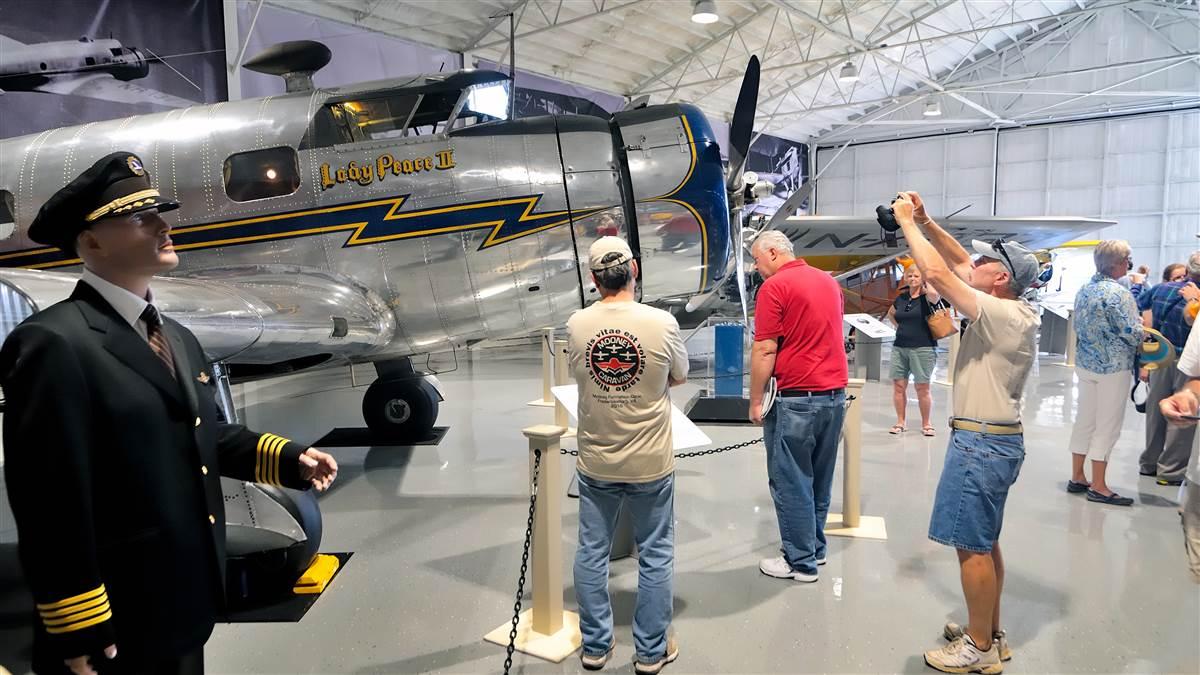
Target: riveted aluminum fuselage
411, 241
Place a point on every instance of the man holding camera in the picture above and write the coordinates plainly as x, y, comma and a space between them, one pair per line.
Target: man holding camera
986, 443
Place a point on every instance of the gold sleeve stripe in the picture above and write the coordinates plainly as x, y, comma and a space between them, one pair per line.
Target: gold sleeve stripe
81, 625
258, 459
278, 457
276, 448
76, 618
74, 599
55, 613
267, 459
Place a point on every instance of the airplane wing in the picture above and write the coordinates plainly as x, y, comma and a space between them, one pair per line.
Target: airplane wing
852, 235
9, 43
250, 315
107, 88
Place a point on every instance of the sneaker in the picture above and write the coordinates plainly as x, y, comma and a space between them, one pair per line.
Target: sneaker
822, 561
780, 569
652, 668
597, 662
1171, 482
962, 656
1152, 471
953, 631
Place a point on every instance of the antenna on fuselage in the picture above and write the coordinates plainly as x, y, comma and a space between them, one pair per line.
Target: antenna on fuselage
512, 61
294, 61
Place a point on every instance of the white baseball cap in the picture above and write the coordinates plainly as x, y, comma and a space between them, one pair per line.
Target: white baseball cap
602, 247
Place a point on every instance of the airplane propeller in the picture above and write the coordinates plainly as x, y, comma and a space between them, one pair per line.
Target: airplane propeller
741, 129
742, 126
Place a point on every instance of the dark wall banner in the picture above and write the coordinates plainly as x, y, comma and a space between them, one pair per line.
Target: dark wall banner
65, 62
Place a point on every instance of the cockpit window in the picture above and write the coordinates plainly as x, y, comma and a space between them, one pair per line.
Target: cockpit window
406, 115
260, 174
485, 103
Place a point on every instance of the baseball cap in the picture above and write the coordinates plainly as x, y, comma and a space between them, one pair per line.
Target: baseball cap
602, 247
1020, 262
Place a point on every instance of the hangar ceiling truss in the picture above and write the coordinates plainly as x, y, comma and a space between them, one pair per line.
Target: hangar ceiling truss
981, 64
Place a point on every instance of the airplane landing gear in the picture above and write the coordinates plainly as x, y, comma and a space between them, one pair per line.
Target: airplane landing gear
401, 406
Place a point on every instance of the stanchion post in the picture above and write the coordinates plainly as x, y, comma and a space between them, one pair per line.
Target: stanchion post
547, 530
1070, 355
852, 455
547, 364
545, 630
546, 346
561, 418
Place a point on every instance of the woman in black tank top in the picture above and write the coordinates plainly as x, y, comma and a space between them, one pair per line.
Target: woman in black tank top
913, 352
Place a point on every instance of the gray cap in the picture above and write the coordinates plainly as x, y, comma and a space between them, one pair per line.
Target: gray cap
1021, 262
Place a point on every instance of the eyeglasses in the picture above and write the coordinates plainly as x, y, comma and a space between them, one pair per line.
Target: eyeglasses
998, 246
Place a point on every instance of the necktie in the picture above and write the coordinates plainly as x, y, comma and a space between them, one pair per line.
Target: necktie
158, 341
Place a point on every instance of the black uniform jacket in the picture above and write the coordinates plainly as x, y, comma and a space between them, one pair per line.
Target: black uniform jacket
113, 470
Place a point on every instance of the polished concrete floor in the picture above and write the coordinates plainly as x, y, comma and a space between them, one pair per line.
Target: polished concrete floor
437, 531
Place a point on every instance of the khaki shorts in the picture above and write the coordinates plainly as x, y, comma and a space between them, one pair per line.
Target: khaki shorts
915, 361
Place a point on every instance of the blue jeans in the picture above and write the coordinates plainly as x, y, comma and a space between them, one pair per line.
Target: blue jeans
968, 509
802, 435
652, 508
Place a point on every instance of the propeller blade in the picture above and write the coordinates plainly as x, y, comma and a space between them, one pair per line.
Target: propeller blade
790, 205
742, 127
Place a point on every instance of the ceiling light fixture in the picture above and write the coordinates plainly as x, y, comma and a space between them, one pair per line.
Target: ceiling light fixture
849, 73
933, 109
705, 11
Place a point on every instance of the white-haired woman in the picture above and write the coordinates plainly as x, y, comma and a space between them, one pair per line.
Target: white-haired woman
1108, 333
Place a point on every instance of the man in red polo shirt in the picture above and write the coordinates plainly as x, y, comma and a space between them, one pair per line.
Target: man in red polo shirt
798, 340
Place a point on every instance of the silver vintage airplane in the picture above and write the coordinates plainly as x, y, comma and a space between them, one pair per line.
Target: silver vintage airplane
374, 222
100, 69
378, 221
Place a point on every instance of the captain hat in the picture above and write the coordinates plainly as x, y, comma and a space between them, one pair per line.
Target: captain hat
602, 247
116, 185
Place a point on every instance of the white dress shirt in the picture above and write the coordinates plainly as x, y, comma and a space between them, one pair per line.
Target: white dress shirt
128, 305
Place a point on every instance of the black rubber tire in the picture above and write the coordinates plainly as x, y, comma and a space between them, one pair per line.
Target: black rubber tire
400, 411
267, 576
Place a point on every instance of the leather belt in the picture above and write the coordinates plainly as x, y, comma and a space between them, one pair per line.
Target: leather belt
793, 393
978, 426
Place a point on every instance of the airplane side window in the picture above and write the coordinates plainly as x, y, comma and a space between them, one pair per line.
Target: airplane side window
8, 214
260, 174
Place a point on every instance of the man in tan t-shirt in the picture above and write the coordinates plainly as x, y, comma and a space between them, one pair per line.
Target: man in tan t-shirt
986, 441
625, 356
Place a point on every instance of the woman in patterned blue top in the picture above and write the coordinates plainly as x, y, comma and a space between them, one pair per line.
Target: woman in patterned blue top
1108, 332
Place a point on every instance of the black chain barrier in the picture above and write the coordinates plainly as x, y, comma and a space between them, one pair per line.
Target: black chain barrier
512, 634
537, 463
686, 455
